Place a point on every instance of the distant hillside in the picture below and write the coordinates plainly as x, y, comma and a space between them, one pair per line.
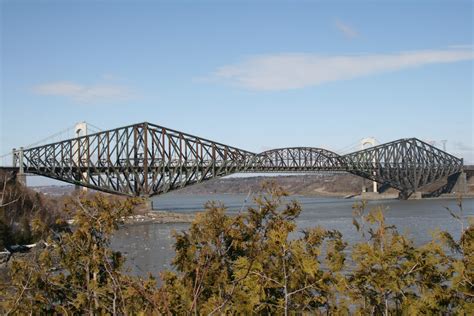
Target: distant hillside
311, 184
324, 184
54, 190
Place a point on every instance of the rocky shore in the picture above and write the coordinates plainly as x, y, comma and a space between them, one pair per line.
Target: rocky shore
159, 217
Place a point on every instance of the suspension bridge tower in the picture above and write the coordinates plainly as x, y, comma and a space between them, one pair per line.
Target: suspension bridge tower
80, 129
369, 142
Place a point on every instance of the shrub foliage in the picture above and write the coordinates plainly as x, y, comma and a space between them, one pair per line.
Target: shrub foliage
256, 262
18, 207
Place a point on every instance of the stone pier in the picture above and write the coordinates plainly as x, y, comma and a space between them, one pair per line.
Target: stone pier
461, 184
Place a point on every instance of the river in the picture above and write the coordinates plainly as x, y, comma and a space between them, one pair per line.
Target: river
149, 247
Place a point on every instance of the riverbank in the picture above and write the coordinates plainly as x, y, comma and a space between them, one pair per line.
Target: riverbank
159, 217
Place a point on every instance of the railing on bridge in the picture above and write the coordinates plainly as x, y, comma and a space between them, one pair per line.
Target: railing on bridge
146, 159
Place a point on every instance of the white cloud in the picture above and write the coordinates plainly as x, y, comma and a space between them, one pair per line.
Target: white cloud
347, 30
84, 93
292, 71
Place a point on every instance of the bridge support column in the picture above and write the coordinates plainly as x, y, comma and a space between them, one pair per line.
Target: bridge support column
461, 183
18, 162
81, 130
405, 195
416, 196
372, 142
149, 203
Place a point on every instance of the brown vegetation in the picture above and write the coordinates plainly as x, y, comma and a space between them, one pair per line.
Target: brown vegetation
19, 206
248, 264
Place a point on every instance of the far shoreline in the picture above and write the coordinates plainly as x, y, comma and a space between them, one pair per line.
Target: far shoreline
160, 216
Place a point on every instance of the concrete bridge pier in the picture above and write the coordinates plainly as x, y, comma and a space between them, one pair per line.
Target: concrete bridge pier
372, 142
149, 203
460, 186
407, 195
80, 130
403, 195
18, 162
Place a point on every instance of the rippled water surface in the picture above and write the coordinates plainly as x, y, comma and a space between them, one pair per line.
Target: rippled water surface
148, 247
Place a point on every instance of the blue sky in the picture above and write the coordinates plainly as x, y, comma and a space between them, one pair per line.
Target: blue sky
256, 75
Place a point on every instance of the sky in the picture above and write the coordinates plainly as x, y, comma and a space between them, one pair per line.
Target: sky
251, 74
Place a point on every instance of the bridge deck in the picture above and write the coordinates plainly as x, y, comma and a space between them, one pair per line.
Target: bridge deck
147, 159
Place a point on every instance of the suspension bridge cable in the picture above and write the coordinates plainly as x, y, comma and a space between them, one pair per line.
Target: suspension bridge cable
93, 126
57, 135
41, 141
64, 131
354, 145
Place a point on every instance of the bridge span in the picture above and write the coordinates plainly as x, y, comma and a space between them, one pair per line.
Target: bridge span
146, 159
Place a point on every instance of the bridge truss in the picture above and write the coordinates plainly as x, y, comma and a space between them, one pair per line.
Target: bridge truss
146, 159
406, 164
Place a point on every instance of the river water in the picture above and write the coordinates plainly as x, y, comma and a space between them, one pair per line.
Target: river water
149, 247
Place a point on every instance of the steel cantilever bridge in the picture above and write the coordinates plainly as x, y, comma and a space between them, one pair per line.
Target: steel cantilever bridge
146, 159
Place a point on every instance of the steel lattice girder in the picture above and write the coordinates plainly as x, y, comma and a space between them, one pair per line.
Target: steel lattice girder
405, 164
142, 159
297, 159
146, 159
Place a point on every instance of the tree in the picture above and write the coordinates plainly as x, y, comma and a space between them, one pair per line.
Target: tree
77, 272
18, 207
392, 276
254, 262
